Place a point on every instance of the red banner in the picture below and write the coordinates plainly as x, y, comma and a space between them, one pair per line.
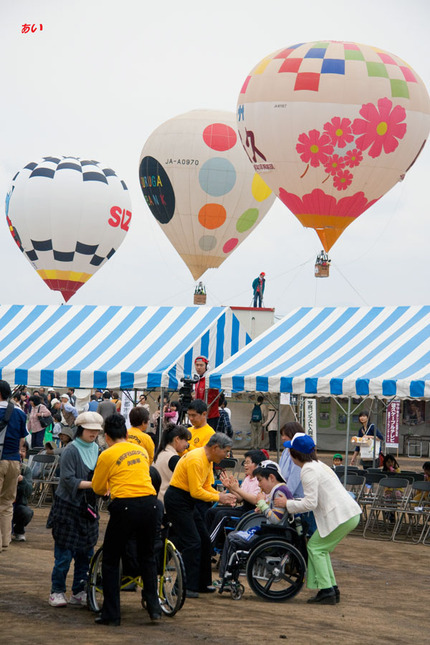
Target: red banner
392, 425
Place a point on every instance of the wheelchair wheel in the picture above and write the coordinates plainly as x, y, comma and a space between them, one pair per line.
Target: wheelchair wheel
275, 570
95, 582
237, 590
171, 587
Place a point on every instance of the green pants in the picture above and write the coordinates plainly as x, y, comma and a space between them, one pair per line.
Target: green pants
320, 572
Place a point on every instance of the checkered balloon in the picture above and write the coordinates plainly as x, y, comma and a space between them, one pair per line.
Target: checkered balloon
332, 126
68, 216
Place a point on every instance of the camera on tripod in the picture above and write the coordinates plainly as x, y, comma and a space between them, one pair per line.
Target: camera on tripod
185, 395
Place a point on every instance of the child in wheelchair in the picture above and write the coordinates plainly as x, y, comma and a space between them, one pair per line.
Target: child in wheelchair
273, 486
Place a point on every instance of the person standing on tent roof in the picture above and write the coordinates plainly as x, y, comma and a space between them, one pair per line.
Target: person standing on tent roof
258, 287
201, 366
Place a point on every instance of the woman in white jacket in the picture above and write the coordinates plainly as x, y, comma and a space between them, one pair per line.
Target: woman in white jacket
173, 442
336, 515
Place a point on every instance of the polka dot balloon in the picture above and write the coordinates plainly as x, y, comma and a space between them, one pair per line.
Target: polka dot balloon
201, 188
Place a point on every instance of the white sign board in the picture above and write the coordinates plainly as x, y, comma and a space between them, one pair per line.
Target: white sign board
311, 418
127, 402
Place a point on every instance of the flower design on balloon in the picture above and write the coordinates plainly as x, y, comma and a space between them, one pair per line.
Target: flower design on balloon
353, 158
378, 131
380, 127
314, 148
334, 164
339, 131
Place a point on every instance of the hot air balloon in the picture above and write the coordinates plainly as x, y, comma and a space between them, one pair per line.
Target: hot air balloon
332, 126
68, 216
200, 187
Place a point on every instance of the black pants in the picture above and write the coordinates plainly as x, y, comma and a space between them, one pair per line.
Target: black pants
218, 517
128, 516
191, 537
273, 435
213, 423
22, 516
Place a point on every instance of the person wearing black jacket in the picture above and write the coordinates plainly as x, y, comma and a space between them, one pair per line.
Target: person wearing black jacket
22, 513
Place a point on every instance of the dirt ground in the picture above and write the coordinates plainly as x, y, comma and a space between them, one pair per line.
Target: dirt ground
384, 586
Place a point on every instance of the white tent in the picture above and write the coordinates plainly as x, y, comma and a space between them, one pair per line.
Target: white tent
379, 352
112, 346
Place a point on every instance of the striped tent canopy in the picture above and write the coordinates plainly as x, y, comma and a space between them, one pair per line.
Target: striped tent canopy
337, 351
112, 347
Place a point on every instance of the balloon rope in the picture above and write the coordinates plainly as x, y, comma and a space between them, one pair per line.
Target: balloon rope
352, 287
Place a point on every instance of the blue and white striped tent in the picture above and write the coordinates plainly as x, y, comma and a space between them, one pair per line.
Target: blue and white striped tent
337, 351
112, 346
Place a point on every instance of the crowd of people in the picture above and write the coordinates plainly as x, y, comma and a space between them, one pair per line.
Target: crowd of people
100, 457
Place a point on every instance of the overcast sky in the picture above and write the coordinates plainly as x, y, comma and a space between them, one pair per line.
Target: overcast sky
104, 74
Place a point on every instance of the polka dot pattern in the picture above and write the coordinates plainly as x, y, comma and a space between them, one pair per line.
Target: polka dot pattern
230, 245
217, 176
220, 137
207, 242
260, 190
201, 187
247, 220
212, 216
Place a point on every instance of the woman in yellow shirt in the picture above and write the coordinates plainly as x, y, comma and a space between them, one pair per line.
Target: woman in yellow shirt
139, 419
123, 469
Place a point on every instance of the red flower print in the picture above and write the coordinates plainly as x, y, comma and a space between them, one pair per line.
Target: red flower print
353, 158
380, 127
342, 180
339, 131
314, 148
318, 203
334, 164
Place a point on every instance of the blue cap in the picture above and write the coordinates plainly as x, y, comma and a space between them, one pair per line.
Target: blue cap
303, 443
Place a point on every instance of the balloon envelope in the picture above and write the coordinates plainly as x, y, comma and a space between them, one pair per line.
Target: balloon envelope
200, 187
68, 216
332, 126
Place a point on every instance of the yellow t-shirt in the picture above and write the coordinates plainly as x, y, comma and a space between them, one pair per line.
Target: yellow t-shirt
200, 436
194, 474
134, 435
124, 470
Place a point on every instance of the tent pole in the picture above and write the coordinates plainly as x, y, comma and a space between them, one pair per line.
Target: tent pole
348, 423
161, 417
278, 434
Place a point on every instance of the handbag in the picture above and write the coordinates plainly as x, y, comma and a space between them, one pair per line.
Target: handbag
89, 508
46, 421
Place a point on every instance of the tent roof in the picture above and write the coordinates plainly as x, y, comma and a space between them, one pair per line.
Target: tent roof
112, 346
337, 351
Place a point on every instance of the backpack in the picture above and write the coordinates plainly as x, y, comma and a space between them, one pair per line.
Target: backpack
224, 424
3, 425
256, 414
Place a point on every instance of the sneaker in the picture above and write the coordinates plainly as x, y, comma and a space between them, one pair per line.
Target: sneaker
79, 599
57, 600
18, 537
219, 583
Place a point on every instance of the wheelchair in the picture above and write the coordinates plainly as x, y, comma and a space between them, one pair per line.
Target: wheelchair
171, 578
274, 564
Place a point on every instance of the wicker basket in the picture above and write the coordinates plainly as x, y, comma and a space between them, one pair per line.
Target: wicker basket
199, 298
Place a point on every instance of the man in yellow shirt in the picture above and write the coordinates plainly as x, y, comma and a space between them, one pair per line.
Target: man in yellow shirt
201, 431
191, 483
123, 469
139, 419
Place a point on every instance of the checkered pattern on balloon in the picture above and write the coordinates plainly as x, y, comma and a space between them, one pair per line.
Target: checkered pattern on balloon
332, 126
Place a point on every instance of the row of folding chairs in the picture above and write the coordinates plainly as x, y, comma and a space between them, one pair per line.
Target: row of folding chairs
44, 471
393, 508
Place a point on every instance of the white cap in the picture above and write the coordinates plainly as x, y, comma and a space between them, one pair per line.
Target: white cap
65, 396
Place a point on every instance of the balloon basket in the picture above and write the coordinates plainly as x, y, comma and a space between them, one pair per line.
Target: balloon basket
322, 271
199, 298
